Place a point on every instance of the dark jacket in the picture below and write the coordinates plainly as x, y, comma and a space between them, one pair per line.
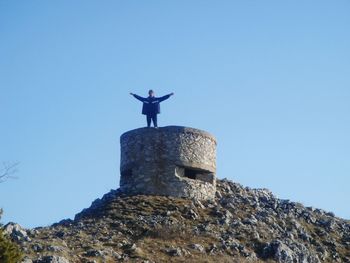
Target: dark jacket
151, 104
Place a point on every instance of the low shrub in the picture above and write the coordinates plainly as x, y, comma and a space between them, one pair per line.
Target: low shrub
9, 251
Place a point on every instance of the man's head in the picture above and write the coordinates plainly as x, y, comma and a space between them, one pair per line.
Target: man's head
151, 93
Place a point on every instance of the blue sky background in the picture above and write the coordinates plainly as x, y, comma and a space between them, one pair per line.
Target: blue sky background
270, 79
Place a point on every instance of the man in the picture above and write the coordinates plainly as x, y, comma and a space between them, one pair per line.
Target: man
151, 106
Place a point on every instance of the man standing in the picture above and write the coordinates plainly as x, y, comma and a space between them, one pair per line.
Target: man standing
151, 106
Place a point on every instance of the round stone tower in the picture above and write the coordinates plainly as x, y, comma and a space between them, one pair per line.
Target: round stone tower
172, 161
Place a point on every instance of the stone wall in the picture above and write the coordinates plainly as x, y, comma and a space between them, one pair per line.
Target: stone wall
175, 161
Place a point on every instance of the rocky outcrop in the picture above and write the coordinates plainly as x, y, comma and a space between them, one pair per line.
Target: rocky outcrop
239, 225
16, 232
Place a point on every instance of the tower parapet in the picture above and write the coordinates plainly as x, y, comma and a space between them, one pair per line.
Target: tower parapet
172, 160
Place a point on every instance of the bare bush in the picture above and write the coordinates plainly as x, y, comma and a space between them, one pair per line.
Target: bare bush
7, 171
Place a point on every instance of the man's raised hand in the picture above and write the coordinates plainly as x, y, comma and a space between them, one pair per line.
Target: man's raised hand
171, 94
132, 94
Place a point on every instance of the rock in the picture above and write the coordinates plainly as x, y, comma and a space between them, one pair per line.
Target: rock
52, 259
198, 204
331, 214
64, 222
33, 232
37, 247
16, 232
213, 249
279, 252
60, 234
93, 253
250, 221
329, 224
198, 247
116, 255
192, 214
55, 248
174, 252
218, 194
293, 252
133, 247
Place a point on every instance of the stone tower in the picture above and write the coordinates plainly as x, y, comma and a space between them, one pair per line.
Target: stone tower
172, 161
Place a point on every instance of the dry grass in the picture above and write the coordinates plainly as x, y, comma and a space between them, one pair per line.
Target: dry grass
169, 232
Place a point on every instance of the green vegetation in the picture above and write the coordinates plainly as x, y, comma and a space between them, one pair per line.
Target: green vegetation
9, 252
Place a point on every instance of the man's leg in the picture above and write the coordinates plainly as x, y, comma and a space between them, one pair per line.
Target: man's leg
148, 120
154, 118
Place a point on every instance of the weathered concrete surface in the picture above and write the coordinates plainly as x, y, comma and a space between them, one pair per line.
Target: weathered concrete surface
173, 160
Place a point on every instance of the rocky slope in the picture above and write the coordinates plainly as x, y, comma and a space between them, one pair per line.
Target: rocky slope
241, 225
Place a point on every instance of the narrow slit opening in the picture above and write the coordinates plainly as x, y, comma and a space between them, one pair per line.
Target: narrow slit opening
196, 174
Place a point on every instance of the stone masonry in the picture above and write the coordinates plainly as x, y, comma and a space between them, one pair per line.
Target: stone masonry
172, 161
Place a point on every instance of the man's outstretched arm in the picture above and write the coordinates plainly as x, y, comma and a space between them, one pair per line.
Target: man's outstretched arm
142, 99
165, 97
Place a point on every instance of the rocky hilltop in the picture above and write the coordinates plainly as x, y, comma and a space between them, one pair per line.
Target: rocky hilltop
239, 225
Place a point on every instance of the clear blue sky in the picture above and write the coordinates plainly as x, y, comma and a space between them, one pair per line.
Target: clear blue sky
270, 79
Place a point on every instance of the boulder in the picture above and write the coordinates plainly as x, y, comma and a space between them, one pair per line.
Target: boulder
16, 232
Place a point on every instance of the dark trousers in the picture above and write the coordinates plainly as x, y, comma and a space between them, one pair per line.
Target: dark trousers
152, 117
